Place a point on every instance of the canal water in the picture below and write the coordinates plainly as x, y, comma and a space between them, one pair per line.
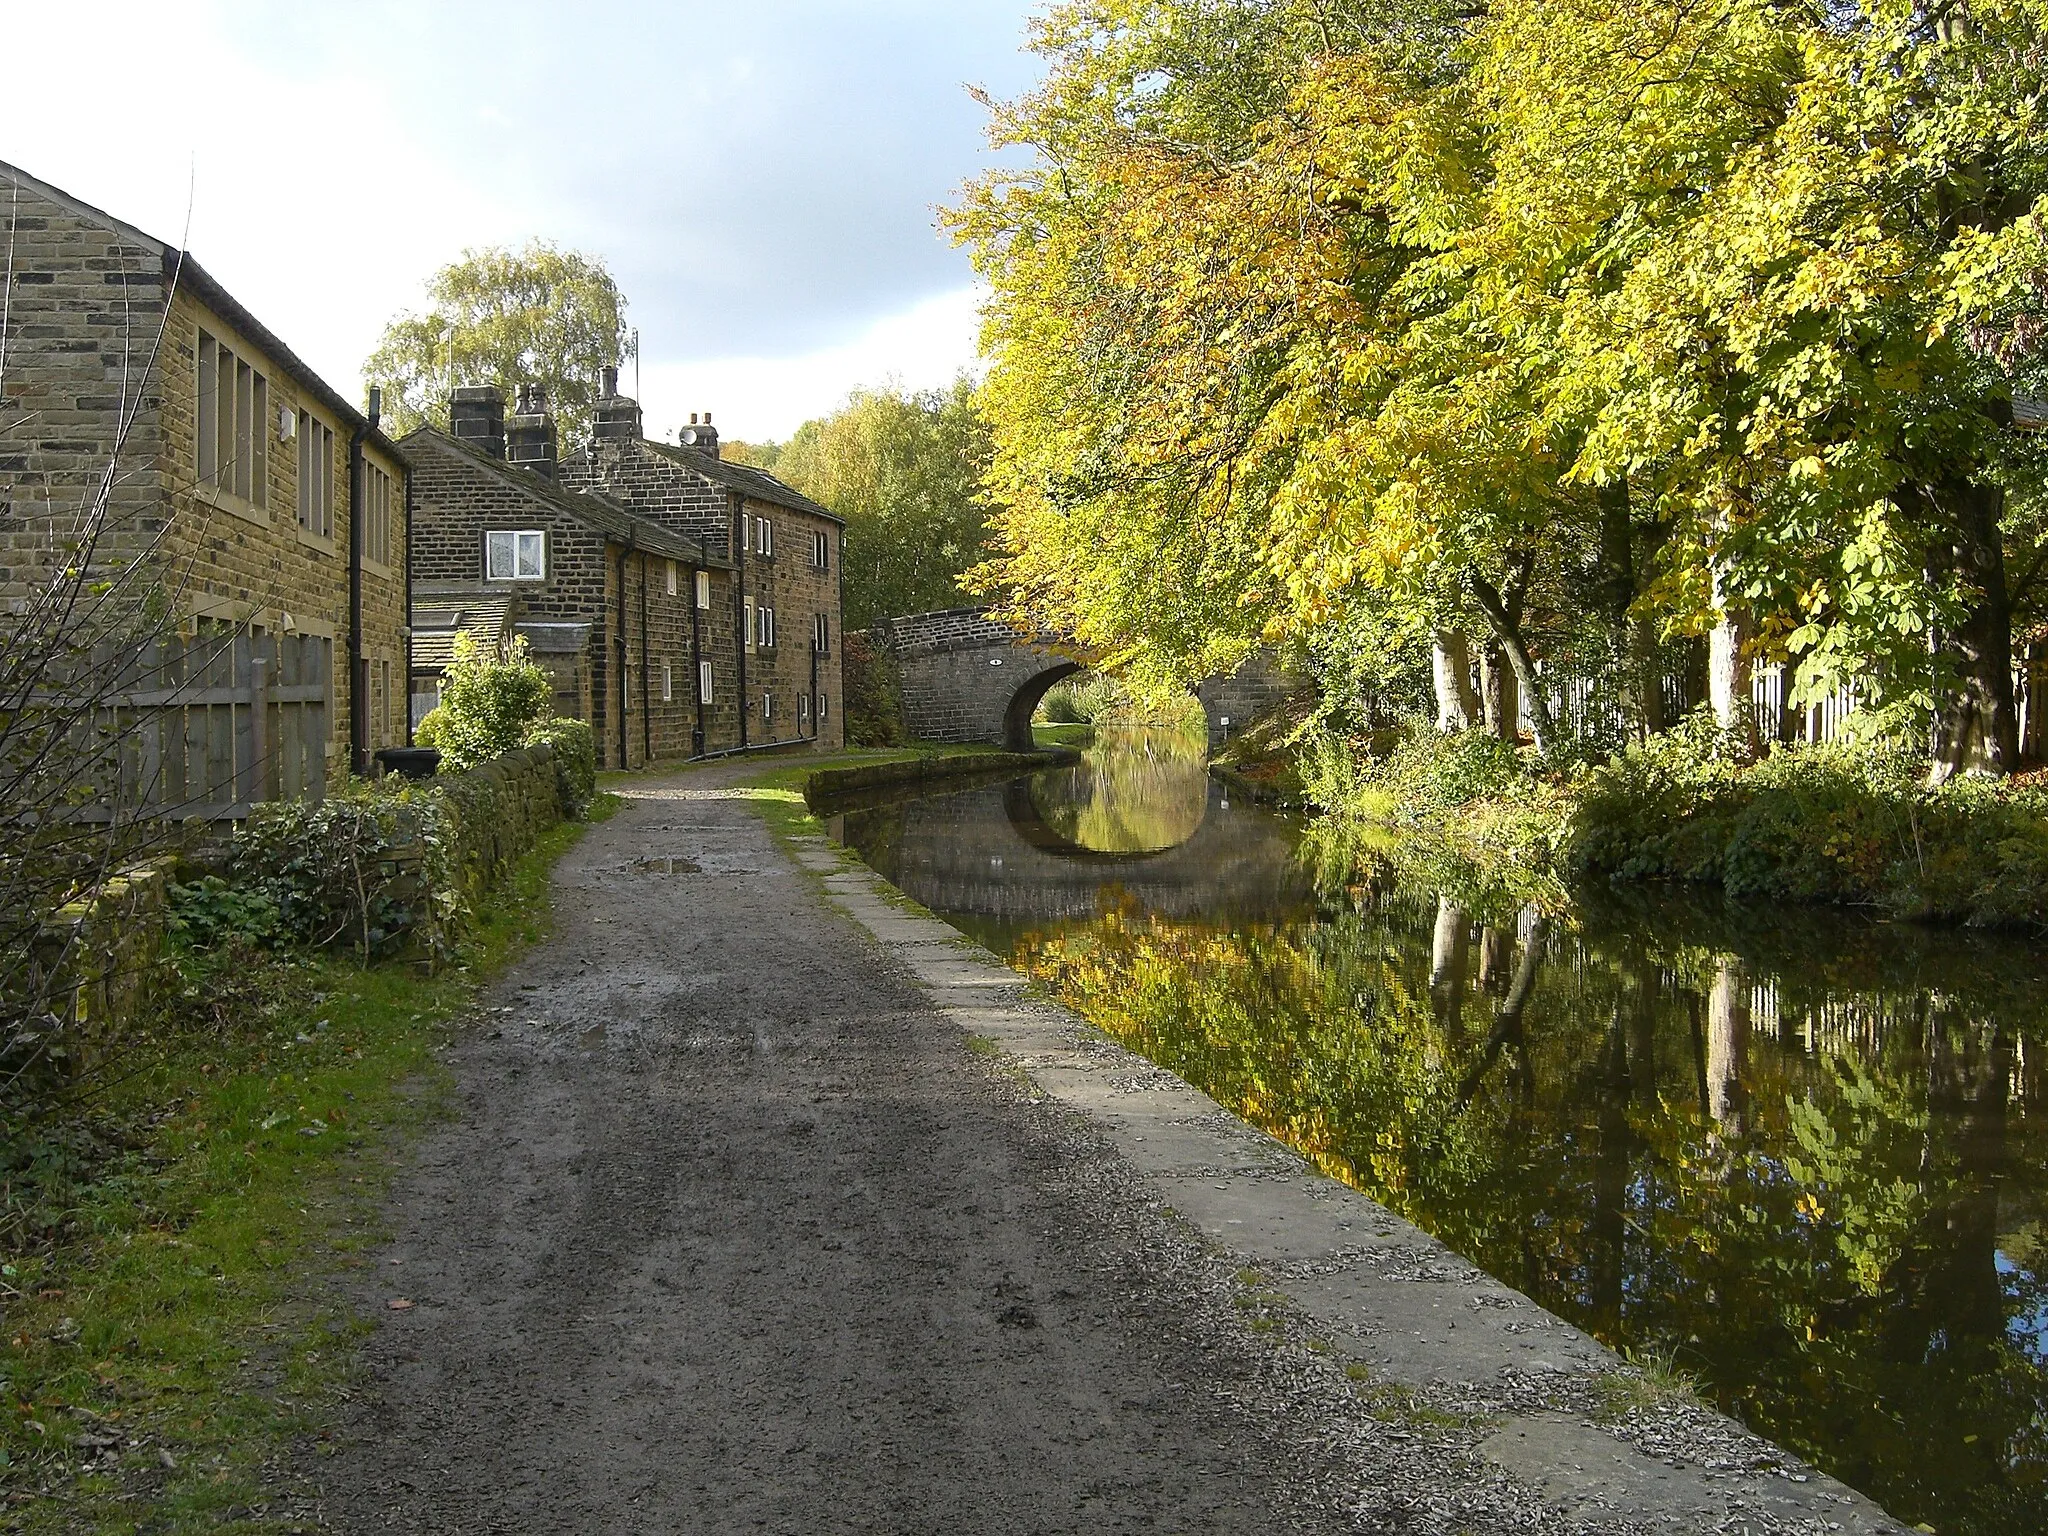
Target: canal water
1800, 1155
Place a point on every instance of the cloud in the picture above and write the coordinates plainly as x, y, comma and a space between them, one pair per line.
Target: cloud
761, 177
759, 398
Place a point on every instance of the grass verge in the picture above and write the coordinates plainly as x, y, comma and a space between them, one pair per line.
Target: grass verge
165, 1352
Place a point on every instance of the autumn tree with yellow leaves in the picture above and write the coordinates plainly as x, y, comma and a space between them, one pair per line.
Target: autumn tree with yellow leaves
1558, 329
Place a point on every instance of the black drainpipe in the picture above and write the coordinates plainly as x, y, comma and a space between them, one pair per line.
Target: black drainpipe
739, 598
358, 663
697, 742
619, 652
646, 699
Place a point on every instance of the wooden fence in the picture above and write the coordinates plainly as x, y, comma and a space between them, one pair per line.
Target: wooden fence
209, 726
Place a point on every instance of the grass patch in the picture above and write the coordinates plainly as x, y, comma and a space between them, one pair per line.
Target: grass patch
1074, 737
164, 1349
1648, 1381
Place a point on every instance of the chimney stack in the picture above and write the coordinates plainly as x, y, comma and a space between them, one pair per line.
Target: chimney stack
476, 412
700, 435
618, 416
530, 435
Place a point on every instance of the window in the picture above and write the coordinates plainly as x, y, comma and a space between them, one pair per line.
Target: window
668, 687
517, 555
748, 624
803, 711
703, 682
671, 576
234, 404
764, 628
821, 550
704, 590
821, 634
316, 476
822, 711
764, 537
376, 515
767, 706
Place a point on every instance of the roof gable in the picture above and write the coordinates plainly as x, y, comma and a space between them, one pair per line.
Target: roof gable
593, 511
744, 478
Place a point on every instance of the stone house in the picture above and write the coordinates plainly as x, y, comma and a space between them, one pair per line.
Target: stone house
269, 512
631, 618
783, 551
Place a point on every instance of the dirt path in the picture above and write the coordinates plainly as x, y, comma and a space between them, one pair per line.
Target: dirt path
735, 1233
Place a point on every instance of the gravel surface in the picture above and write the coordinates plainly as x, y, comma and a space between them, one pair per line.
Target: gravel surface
735, 1232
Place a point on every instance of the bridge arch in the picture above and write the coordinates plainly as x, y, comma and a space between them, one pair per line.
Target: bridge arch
1024, 703
967, 677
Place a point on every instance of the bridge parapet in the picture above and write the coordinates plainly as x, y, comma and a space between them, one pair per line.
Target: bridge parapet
949, 629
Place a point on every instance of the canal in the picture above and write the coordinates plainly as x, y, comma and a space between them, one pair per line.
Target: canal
1796, 1154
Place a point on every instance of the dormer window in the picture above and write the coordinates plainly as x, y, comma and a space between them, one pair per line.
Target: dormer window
515, 555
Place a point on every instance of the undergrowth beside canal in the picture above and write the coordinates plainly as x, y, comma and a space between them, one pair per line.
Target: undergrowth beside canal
1833, 822
163, 1354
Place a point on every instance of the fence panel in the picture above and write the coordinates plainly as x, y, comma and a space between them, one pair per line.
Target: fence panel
206, 727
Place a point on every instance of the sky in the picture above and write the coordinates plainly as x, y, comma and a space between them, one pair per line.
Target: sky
761, 178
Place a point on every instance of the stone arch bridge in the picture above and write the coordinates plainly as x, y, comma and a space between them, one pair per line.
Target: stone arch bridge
968, 678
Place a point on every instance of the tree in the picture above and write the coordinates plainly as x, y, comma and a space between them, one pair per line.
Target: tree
539, 315
1570, 324
904, 470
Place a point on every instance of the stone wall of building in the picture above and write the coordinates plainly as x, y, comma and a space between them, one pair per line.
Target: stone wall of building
101, 330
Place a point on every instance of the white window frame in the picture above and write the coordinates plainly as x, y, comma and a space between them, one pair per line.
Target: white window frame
767, 707
821, 549
671, 577
514, 551
764, 538
821, 634
703, 682
668, 685
822, 708
764, 620
704, 590
749, 623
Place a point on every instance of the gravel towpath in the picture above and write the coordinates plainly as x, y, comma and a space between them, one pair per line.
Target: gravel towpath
733, 1232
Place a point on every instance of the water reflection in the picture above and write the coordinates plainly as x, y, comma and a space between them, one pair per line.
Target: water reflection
1800, 1152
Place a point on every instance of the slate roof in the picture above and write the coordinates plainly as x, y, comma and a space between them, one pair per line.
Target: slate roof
744, 478
607, 517
437, 620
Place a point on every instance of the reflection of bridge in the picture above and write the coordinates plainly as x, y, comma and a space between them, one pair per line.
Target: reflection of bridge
968, 678
989, 853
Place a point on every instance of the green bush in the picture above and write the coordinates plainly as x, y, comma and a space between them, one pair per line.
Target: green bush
1426, 776
574, 745
873, 684
209, 912
489, 705
367, 866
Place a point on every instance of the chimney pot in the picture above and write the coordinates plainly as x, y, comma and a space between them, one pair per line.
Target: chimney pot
607, 382
530, 435
476, 415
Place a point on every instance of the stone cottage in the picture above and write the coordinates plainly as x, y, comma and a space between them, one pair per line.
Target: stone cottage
631, 618
267, 512
783, 550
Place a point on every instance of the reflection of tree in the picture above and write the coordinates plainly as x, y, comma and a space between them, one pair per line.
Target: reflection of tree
1815, 1232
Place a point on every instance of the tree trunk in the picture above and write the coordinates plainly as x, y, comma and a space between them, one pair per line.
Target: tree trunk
1728, 671
1451, 665
1643, 657
1500, 701
1636, 685
1977, 727
1503, 609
